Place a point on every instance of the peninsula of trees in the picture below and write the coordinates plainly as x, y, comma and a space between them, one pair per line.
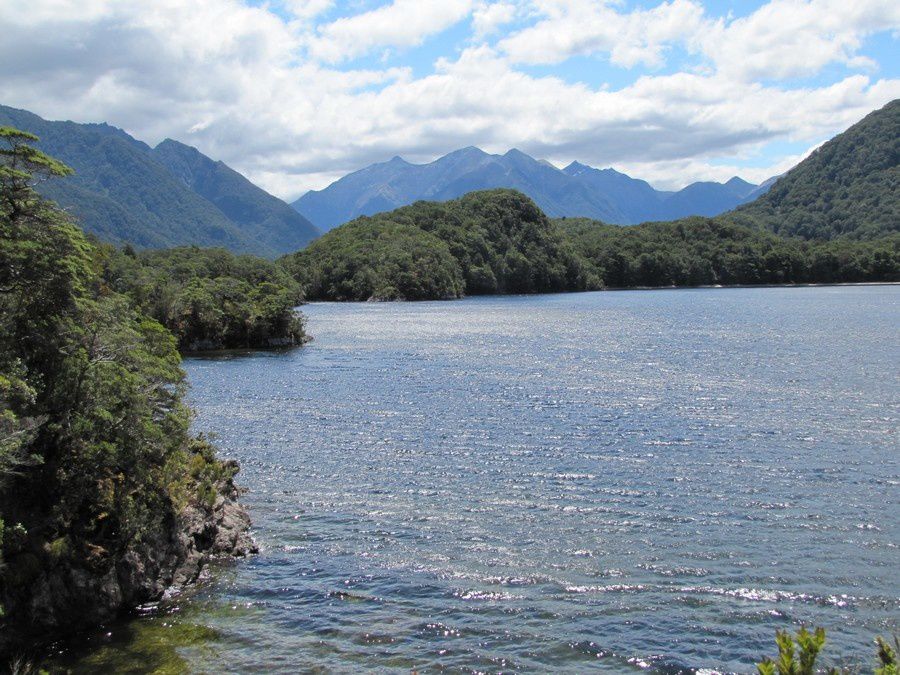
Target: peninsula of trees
485, 242
209, 298
498, 241
106, 498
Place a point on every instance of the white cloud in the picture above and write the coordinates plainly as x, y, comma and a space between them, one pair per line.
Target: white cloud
781, 39
402, 23
307, 9
584, 27
488, 17
791, 38
232, 80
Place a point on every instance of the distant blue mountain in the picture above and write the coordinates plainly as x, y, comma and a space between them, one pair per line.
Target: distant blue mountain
171, 195
577, 190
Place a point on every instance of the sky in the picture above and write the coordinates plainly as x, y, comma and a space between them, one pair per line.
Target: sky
297, 93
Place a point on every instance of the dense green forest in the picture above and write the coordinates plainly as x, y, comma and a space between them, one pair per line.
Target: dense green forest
848, 187
96, 459
209, 298
496, 241
499, 242
704, 251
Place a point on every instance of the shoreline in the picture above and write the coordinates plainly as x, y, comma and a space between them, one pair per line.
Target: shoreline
76, 597
616, 289
723, 286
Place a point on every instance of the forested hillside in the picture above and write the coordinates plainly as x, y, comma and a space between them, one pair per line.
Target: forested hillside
272, 225
105, 496
495, 241
499, 242
848, 187
703, 251
125, 192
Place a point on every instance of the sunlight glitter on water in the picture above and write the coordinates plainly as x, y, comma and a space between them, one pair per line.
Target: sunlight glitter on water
605, 481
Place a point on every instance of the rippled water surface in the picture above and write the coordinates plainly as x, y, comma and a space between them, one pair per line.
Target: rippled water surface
604, 481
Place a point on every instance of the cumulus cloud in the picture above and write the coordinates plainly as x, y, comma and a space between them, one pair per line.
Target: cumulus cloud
791, 38
488, 17
239, 82
781, 39
402, 23
584, 27
307, 9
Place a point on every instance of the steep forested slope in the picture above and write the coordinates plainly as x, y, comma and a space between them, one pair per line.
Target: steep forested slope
848, 187
105, 496
265, 219
124, 191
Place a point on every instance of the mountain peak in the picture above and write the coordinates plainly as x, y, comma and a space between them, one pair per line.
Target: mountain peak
515, 153
170, 145
577, 190
737, 181
740, 187
576, 168
171, 142
470, 151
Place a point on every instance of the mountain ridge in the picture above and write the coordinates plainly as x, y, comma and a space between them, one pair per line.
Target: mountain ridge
125, 191
577, 190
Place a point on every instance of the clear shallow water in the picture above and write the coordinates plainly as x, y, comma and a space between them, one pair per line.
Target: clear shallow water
605, 481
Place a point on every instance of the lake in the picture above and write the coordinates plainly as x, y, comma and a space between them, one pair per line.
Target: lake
613, 482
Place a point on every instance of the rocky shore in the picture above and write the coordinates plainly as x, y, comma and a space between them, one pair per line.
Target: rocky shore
77, 595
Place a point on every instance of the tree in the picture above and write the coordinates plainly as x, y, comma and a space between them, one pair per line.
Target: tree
95, 452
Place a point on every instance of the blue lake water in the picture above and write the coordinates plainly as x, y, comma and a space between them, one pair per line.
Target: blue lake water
611, 482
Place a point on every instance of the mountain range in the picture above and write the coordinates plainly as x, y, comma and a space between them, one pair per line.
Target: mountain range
155, 197
124, 190
833, 218
576, 190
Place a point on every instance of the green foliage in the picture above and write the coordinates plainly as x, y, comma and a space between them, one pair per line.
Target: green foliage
889, 662
16, 432
207, 471
381, 260
210, 298
21, 163
797, 655
495, 241
850, 186
95, 451
703, 251
499, 242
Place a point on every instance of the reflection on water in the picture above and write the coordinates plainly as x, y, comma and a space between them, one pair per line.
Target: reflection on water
607, 481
